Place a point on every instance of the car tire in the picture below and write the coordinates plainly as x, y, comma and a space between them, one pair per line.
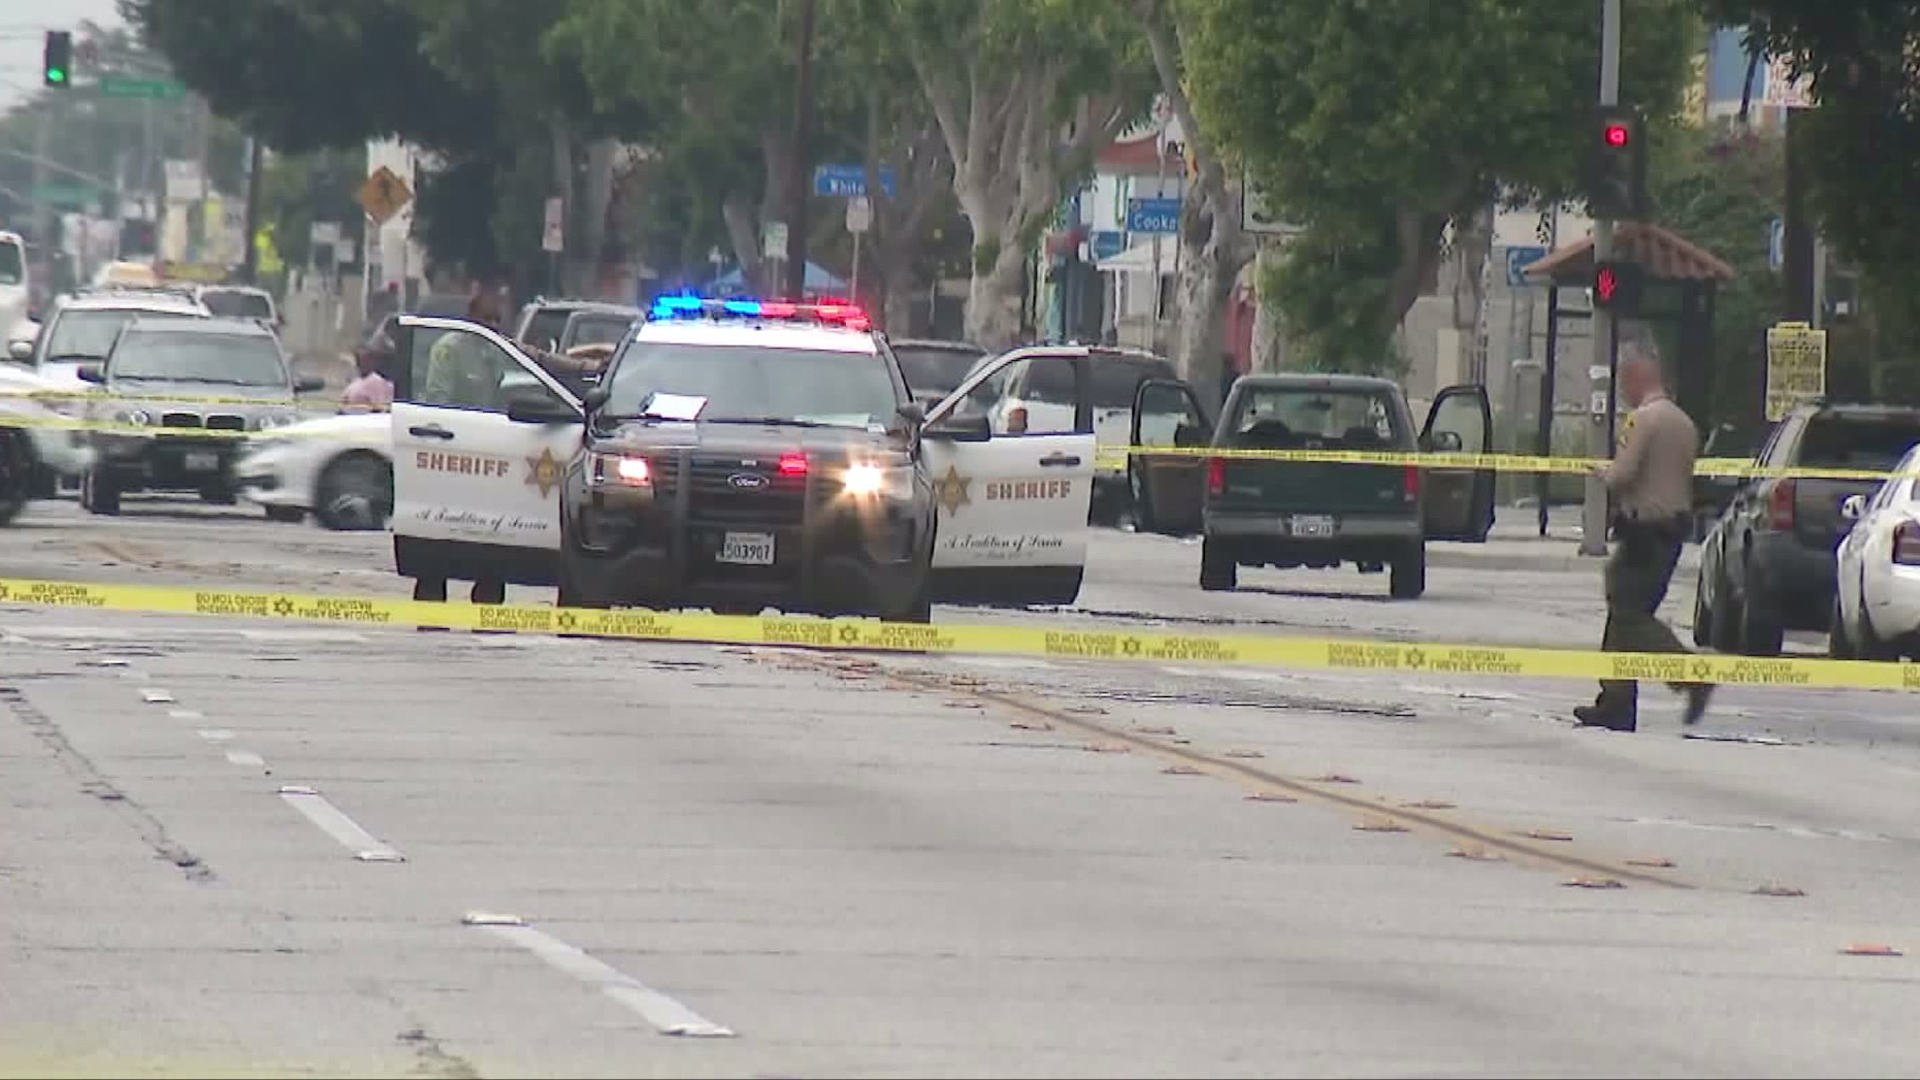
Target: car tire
1407, 576
920, 610
1218, 570
1138, 503
1702, 614
1723, 632
354, 493
99, 494
17, 474
1839, 642
287, 515
1761, 631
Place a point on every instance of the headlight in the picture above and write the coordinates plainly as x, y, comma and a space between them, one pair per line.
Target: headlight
868, 481
276, 420
136, 417
621, 470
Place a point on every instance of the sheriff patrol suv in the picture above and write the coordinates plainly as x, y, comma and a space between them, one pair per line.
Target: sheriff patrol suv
737, 455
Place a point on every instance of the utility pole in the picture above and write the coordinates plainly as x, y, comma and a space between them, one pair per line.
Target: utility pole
250, 265
802, 158
1593, 520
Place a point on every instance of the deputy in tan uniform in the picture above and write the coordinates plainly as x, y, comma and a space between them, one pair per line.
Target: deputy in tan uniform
1651, 481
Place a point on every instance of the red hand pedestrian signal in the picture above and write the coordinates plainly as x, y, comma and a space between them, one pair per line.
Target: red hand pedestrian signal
1616, 286
1605, 284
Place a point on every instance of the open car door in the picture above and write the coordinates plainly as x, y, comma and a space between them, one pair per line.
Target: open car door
1011, 499
1458, 503
1168, 489
482, 436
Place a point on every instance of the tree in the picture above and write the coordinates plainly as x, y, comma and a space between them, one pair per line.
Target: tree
1006, 79
1213, 246
1377, 125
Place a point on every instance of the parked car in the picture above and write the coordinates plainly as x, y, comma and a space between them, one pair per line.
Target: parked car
241, 302
1876, 598
1768, 565
16, 290
935, 368
1711, 494
36, 447
152, 439
1265, 512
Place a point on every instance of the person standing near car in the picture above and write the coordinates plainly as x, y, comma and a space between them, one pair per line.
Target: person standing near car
1651, 482
461, 369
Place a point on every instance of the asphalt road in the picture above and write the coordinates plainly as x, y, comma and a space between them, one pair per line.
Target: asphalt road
230, 848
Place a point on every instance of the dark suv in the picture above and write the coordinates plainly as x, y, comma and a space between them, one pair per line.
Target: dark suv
1768, 565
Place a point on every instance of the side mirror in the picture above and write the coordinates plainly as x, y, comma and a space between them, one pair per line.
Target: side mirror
20, 350
1446, 442
596, 399
92, 373
1853, 507
913, 413
972, 428
309, 384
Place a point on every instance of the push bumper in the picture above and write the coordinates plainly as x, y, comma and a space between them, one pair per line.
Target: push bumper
157, 462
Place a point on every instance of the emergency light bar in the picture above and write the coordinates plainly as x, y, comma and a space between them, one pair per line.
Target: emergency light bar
685, 307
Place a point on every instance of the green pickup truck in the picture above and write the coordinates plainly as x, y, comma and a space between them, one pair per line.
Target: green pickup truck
1254, 512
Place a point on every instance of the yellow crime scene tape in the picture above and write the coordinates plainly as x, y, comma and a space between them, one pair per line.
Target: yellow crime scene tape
1058, 642
141, 398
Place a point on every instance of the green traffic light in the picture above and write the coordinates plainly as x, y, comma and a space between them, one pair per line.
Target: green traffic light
57, 75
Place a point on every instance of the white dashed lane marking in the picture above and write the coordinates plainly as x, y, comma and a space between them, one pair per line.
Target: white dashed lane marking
245, 757
335, 823
670, 1017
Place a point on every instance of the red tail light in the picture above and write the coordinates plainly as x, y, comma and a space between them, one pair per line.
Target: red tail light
1410, 482
793, 464
1906, 543
1216, 476
1780, 505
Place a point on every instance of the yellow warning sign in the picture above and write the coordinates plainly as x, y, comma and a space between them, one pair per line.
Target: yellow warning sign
1796, 367
384, 194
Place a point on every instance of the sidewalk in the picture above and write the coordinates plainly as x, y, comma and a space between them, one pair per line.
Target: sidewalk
1516, 544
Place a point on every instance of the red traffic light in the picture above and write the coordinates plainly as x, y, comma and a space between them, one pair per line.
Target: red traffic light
1616, 134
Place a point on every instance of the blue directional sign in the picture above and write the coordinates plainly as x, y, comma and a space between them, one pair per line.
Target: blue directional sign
1153, 215
1106, 243
1518, 259
846, 181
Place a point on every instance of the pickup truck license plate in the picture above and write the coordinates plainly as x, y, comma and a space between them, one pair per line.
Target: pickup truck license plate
747, 548
1310, 525
200, 461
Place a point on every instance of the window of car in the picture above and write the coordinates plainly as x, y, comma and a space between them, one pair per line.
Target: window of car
460, 368
1282, 417
1114, 381
545, 327
1835, 441
934, 369
746, 382
599, 330
235, 359
12, 265
88, 335
237, 303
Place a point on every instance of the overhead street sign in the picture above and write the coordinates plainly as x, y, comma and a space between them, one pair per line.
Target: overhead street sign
1161, 215
120, 86
384, 194
846, 181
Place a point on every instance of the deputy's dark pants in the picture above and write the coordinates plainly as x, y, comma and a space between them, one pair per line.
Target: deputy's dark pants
1638, 572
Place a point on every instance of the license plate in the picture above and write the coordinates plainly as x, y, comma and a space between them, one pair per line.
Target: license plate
199, 461
748, 549
1310, 525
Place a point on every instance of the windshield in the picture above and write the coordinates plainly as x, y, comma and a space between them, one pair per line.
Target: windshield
1114, 381
842, 389
213, 358
544, 328
88, 335
931, 370
1280, 418
234, 303
601, 331
1835, 442
12, 267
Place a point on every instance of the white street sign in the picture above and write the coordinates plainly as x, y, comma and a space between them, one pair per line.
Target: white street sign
859, 214
343, 250
773, 240
1256, 218
324, 233
553, 233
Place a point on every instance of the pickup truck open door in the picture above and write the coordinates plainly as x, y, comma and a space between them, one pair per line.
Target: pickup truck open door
1168, 489
1457, 504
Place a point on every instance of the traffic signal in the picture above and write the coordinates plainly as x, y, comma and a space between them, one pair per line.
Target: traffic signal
57, 60
1617, 286
1617, 165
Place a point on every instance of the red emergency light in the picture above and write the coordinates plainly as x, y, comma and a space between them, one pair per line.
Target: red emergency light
1616, 134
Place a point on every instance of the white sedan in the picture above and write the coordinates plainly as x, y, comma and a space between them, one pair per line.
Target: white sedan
1876, 604
338, 468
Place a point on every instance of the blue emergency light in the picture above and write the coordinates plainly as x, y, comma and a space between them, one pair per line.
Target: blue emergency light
681, 307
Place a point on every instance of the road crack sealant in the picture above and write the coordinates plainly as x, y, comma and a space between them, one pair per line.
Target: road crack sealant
151, 830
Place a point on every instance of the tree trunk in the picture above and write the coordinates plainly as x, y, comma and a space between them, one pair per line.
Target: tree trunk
596, 197
562, 165
899, 301
993, 299
1472, 240
1417, 260
1199, 353
743, 233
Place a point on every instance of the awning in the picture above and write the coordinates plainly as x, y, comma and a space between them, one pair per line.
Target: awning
1137, 259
